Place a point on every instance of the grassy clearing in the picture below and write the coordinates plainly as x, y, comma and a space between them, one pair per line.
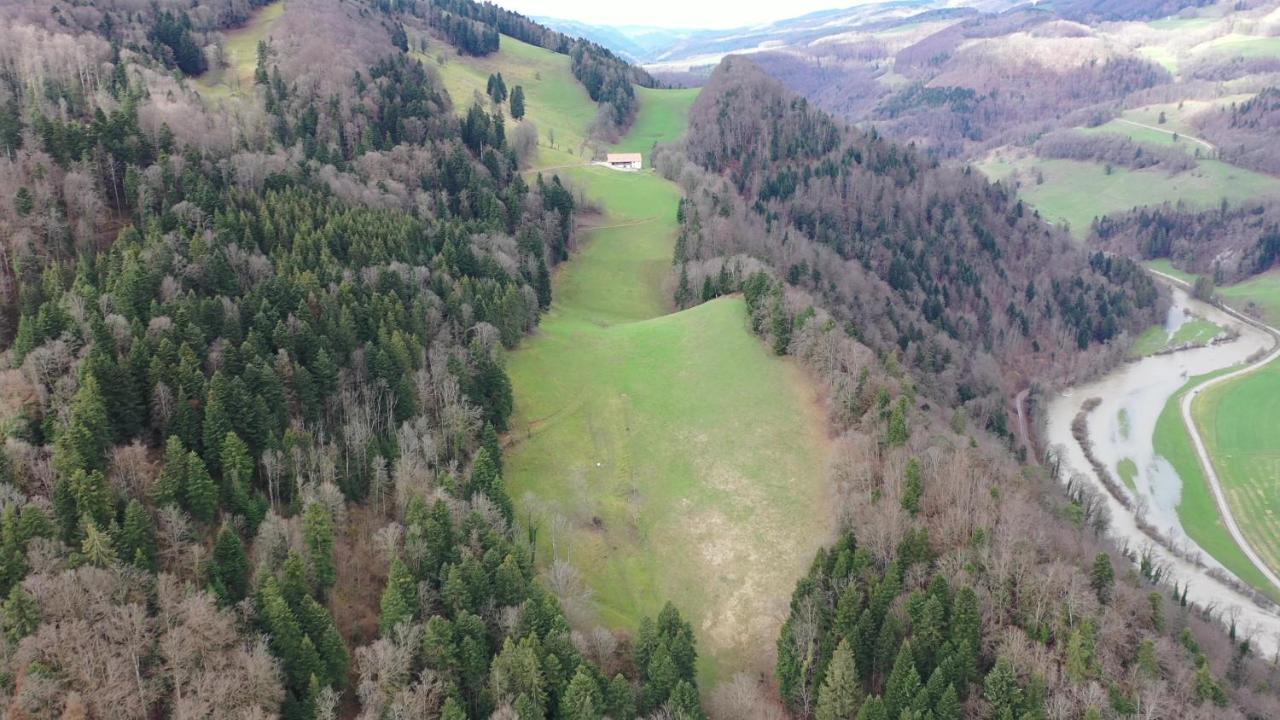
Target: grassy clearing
1191, 333
663, 117
1240, 423
240, 55
554, 100
1142, 134
1260, 291
645, 444
1075, 192
1246, 46
1197, 510
1165, 265
1177, 23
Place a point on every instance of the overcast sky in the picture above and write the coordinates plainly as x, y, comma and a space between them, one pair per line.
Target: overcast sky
672, 13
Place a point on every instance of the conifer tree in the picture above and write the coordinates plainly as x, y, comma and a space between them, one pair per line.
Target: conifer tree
517, 102
83, 442
620, 700
873, 709
399, 598
96, 546
582, 700
137, 541
20, 614
171, 486
841, 693
1102, 577
229, 568
200, 494
903, 685
317, 526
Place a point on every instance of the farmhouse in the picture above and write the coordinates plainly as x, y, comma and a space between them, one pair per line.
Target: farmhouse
624, 161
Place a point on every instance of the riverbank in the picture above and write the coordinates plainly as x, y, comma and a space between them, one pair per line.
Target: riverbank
1122, 427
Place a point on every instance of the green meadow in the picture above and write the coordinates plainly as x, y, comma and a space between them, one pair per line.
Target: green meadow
1260, 291
240, 55
1240, 423
645, 448
1075, 192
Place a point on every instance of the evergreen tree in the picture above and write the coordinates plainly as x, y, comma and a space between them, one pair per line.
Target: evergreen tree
517, 102
399, 598
620, 701
200, 495
517, 672
684, 702
137, 541
948, 707
873, 709
217, 420
1001, 689
841, 693
317, 526
229, 568
913, 488
20, 614
903, 685
1102, 577
82, 444
171, 486
582, 700
96, 546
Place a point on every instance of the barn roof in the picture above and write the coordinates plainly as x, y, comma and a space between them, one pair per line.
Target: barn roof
623, 157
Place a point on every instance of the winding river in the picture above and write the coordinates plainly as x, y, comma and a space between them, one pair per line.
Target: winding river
1122, 428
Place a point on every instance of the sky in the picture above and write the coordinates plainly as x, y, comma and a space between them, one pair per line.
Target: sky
672, 13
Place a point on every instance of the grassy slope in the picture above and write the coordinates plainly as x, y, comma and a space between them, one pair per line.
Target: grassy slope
1261, 290
1075, 192
1197, 510
240, 55
1240, 423
554, 100
645, 445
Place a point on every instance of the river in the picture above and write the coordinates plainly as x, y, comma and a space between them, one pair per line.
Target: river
1122, 427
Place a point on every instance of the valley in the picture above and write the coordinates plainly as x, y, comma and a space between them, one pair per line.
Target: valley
385, 359
642, 451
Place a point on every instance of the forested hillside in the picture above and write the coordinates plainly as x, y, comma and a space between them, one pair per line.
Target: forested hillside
928, 262
965, 584
255, 379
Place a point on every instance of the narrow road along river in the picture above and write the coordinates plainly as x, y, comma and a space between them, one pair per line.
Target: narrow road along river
1122, 427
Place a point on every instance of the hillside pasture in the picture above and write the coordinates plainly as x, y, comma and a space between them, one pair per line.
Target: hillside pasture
234, 76
644, 451
643, 445
1074, 192
554, 99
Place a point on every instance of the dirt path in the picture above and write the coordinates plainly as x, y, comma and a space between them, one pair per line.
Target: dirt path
1192, 138
1206, 462
1024, 432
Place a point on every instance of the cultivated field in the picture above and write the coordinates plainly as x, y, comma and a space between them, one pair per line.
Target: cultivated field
1197, 511
240, 55
1240, 423
645, 447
